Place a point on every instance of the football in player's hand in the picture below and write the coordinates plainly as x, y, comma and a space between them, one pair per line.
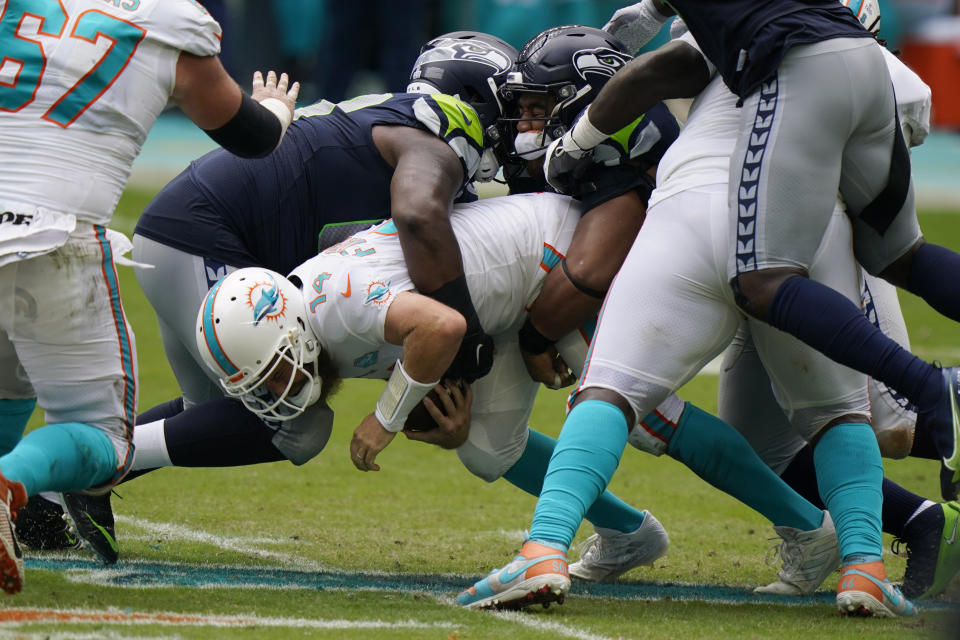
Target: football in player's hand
420, 419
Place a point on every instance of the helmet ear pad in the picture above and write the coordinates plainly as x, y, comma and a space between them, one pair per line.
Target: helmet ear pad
251, 322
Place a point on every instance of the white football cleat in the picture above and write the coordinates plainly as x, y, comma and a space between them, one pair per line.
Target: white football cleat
808, 558
608, 554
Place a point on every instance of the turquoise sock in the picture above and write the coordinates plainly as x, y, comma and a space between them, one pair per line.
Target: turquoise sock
69, 456
716, 452
527, 473
586, 455
14, 415
850, 476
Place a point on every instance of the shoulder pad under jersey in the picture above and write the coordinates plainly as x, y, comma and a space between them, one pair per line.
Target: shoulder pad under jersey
182, 24
457, 124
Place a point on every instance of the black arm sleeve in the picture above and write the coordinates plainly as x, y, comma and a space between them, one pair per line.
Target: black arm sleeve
252, 133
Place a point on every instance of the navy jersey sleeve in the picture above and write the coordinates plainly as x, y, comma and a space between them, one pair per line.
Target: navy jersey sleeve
622, 161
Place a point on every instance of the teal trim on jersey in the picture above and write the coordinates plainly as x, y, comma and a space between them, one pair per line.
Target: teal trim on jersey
550, 258
27, 52
126, 37
14, 415
460, 116
69, 456
717, 452
587, 453
210, 334
121, 328
850, 477
527, 473
388, 228
588, 329
622, 137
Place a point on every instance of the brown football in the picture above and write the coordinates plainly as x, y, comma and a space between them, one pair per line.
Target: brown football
420, 419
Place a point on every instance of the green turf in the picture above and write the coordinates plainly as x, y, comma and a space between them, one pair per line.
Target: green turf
424, 514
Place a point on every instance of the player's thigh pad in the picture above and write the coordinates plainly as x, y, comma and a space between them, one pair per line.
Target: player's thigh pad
746, 401
73, 339
669, 310
811, 388
175, 288
502, 403
786, 166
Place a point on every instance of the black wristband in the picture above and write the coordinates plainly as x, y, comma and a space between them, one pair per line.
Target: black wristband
531, 340
456, 294
253, 132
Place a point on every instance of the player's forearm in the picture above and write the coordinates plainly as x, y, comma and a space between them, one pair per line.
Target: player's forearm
675, 70
420, 207
561, 308
429, 332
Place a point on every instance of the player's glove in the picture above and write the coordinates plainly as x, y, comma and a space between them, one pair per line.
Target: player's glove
474, 359
636, 24
565, 165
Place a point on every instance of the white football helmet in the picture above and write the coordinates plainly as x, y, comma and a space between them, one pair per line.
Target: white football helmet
251, 322
867, 12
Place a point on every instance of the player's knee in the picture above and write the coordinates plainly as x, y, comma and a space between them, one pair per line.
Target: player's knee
896, 442
849, 418
483, 464
606, 395
897, 272
754, 291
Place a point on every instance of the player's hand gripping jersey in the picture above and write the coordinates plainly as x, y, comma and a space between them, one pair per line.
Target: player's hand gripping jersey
79, 91
269, 211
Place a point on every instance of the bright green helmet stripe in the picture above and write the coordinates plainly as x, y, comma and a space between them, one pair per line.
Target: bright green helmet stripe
460, 115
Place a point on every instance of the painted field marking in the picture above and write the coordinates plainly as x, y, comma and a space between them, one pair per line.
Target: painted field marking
17, 617
140, 574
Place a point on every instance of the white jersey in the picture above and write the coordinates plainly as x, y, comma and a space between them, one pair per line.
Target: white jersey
700, 156
83, 82
509, 244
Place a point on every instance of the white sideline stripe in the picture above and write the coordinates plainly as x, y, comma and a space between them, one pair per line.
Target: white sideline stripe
245, 545
548, 626
119, 617
240, 545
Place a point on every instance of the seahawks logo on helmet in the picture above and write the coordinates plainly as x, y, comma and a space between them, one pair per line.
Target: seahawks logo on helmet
474, 50
600, 61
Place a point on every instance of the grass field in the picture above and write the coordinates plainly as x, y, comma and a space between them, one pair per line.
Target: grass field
324, 551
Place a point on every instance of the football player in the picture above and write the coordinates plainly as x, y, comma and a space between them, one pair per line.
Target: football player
282, 344
405, 156
818, 113
556, 74
91, 79
633, 361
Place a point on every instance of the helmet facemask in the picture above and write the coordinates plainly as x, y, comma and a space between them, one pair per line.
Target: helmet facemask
301, 386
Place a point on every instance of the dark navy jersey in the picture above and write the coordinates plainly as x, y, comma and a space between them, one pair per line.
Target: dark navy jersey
269, 211
747, 39
622, 160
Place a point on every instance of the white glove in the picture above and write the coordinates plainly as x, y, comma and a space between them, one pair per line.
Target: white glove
635, 25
